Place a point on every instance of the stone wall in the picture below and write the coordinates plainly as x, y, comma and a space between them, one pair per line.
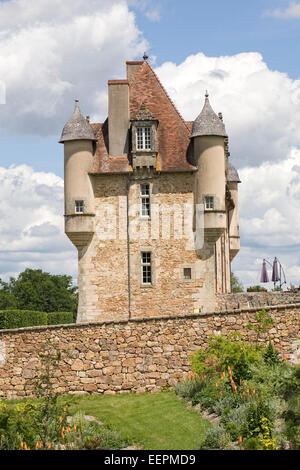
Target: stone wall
138, 355
227, 302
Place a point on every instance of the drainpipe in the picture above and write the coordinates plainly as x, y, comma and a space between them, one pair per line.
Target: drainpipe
128, 248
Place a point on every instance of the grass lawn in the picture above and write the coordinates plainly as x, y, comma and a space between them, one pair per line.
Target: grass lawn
157, 421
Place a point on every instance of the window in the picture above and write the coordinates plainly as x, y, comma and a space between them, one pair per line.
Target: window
209, 202
187, 274
79, 207
143, 138
145, 200
146, 268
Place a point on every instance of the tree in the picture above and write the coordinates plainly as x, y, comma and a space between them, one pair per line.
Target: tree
236, 285
37, 290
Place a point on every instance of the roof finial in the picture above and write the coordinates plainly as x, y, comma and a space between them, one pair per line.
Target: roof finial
145, 57
206, 94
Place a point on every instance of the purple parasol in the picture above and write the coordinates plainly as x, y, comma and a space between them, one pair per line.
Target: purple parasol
264, 274
275, 275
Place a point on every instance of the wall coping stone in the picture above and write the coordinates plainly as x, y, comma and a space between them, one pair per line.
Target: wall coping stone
149, 319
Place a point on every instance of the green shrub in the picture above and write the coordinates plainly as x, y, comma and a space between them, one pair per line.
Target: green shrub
21, 318
60, 318
234, 419
205, 397
290, 391
252, 443
223, 403
216, 438
189, 387
224, 352
17, 424
271, 356
257, 410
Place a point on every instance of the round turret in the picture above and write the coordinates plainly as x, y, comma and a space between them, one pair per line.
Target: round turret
234, 237
79, 141
208, 136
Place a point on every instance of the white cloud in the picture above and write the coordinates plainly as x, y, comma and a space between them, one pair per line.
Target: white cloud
292, 11
150, 8
262, 116
269, 204
53, 51
261, 107
31, 223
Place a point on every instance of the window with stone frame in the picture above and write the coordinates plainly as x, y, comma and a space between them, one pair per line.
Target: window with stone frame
209, 203
187, 274
79, 207
145, 200
143, 138
146, 271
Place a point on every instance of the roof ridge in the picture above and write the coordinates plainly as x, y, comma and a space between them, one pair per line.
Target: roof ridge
167, 94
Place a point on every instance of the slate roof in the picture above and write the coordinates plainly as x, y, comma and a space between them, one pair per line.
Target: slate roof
208, 123
232, 174
77, 127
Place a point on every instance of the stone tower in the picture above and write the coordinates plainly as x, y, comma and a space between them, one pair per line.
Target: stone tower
133, 186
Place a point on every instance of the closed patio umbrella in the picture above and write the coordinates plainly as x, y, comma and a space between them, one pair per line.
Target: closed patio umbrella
264, 274
275, 275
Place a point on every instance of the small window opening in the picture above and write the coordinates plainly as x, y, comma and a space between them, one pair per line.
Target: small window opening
146, 268
79, 207
145, 200
209, 202
187, 273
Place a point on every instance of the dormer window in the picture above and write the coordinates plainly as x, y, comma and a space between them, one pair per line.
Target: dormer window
143, 138
144, 143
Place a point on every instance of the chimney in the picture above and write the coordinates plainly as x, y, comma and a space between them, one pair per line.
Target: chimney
132, 67
118, 117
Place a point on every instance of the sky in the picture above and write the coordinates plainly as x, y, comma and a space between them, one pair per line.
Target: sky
244, 53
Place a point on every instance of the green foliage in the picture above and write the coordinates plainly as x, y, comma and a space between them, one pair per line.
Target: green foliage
216, 438
92, 436
252, 443
256, 289
263, 323
224, 352
40, 291
252, 426
16, 424
59, 318
290, 390
233, 420
189, 387
271, 356
21, 318
236, 285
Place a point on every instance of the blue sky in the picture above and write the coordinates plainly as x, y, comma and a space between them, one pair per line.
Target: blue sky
245, 53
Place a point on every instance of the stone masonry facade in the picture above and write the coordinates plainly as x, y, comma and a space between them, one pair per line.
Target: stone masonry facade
144, 354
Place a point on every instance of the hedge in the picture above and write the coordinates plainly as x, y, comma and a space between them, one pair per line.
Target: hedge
13, 318
59, 318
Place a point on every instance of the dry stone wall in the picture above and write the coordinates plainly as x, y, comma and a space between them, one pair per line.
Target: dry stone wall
137, 355
240, 300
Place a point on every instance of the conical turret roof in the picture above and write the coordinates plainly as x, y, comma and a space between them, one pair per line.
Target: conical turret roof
77, 128
208, 123
232, 174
